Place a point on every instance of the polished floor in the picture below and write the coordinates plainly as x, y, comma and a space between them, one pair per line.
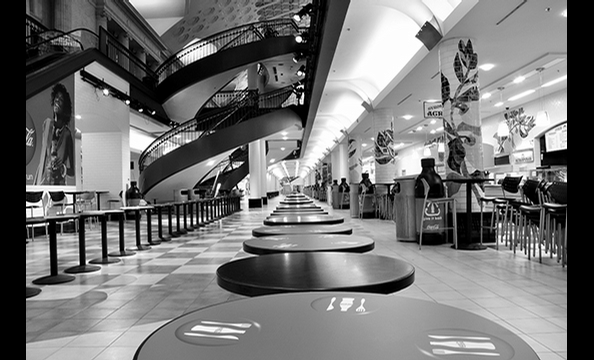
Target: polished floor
107, 314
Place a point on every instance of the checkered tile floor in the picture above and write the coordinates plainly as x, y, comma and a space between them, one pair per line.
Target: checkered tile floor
108, 313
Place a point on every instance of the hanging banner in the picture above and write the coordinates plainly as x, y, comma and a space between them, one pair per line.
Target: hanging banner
432, 109
49, 136
384, 153
354, 159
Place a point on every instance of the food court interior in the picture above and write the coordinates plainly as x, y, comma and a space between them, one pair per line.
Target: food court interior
433, 132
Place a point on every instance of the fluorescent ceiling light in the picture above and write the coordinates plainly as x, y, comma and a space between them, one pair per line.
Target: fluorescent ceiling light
407, 117
521, 95
486, 67
486, 95
553, 82
519, 79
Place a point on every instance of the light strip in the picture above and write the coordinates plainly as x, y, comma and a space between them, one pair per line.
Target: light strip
521, 95
553, 82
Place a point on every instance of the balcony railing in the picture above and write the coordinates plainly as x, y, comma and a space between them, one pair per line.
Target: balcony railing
249, 105
235, 37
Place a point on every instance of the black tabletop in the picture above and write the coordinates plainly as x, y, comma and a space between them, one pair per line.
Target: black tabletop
298, 212
296, 202
315, 271
301, 229
332, 326
308, 243
298, 206
294, 219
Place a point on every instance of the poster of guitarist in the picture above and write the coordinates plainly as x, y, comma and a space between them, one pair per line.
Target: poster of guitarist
56, 162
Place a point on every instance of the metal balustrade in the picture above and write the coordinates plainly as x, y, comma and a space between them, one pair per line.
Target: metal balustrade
235, 37
249, 105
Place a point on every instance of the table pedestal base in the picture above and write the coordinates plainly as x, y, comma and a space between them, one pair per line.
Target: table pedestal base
104, 261
140, 247
82, 269
53, 279
122, 253
471, 246
32, 291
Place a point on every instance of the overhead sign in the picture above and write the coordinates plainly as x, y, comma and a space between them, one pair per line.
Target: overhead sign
432, 109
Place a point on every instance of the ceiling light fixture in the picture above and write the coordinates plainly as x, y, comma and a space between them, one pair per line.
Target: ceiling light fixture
486, 67
521, 95
307, 10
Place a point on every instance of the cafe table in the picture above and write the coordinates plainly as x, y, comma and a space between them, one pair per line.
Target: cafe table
332, 326
467, 242
297, 206
308, 219
301, 229
137, 210
308, 243
315, 271
296, 202
298, 212
54, 277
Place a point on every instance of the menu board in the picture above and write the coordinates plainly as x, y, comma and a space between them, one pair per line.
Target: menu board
556, 138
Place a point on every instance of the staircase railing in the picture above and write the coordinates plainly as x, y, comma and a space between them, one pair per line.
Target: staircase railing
249, 107
235, 37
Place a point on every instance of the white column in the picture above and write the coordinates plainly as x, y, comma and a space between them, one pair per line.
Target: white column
255, 198
458, 62
263, 171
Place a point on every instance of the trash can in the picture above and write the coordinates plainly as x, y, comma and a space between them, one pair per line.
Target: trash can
435, 219
404, 208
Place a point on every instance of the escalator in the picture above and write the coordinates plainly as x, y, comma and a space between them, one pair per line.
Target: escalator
178, 158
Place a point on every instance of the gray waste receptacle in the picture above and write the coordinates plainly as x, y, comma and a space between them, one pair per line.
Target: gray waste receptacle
405, 208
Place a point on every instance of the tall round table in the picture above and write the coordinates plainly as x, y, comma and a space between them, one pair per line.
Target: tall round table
301, 229
332, 326
315, 271
308, 243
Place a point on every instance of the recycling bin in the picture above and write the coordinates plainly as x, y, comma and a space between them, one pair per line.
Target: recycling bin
405, 208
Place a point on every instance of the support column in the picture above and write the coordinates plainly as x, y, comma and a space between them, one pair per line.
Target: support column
263, 171
255, 198
458, 62
355, 170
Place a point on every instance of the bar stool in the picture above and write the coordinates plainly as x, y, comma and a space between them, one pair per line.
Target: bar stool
555, 220
510, 184
530, 216
437, 201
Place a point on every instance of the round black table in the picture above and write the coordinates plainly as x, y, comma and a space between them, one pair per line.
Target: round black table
308, 243
294, 219
297, 206
298, 212
296, 202
315, 271
301, 229
332, 326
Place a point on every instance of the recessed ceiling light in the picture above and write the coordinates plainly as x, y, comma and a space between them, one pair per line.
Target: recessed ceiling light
486, 67
499, 104
564, 13
407, 117
282, 149
519, 79
486, 95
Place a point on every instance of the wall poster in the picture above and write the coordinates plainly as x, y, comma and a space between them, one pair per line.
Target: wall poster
49, 136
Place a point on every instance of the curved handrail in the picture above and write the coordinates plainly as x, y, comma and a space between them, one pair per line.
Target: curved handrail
235, 37
251, 105
60, 41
